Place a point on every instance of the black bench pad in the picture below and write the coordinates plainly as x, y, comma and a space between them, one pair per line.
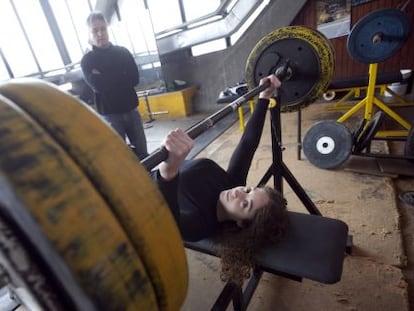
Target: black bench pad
313, 248
363, 80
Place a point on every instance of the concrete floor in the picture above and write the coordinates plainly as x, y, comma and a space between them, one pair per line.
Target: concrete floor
379, 273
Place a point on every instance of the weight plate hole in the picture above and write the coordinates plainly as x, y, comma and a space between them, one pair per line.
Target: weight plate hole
325, 145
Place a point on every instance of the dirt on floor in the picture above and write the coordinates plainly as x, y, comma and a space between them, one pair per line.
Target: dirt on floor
377, 275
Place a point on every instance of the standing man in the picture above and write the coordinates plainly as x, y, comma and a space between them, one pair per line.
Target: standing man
112, 74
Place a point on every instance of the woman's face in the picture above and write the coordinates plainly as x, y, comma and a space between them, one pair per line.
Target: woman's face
242, 203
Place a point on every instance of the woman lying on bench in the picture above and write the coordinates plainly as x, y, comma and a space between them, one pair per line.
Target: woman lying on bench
208, 201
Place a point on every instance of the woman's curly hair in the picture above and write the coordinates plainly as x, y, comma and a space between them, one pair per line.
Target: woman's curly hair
238, 249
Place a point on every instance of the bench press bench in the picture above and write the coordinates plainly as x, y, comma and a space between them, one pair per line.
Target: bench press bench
353, 86
312, 248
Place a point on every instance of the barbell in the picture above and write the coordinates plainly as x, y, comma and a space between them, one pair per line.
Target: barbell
378, 35
301, 57
75, 198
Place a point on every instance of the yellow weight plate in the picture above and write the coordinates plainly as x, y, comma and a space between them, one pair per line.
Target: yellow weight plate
311, 63
68, 223
117, 175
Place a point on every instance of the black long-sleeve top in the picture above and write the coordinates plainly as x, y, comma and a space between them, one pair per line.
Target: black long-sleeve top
193, 194
114, 86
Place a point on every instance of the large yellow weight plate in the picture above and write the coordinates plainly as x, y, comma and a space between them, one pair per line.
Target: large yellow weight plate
69, 224
118, 176
310, 58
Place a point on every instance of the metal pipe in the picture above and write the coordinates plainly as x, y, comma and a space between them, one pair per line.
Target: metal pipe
161, 154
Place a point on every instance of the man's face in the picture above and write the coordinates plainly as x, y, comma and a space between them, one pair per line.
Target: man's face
99, 33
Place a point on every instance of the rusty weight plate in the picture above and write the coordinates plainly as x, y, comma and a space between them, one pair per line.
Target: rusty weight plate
310, 64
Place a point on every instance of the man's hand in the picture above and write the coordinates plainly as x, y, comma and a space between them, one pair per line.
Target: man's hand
179, 145
96, 72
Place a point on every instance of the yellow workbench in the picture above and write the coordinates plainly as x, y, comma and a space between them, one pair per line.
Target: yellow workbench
166, 105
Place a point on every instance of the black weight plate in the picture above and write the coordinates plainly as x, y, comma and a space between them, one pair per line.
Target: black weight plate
378, 36
306, 72
327, 144
310, 60
369, 132
358, 130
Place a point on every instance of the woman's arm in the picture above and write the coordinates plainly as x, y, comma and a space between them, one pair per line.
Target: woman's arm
178, 144
242, 156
